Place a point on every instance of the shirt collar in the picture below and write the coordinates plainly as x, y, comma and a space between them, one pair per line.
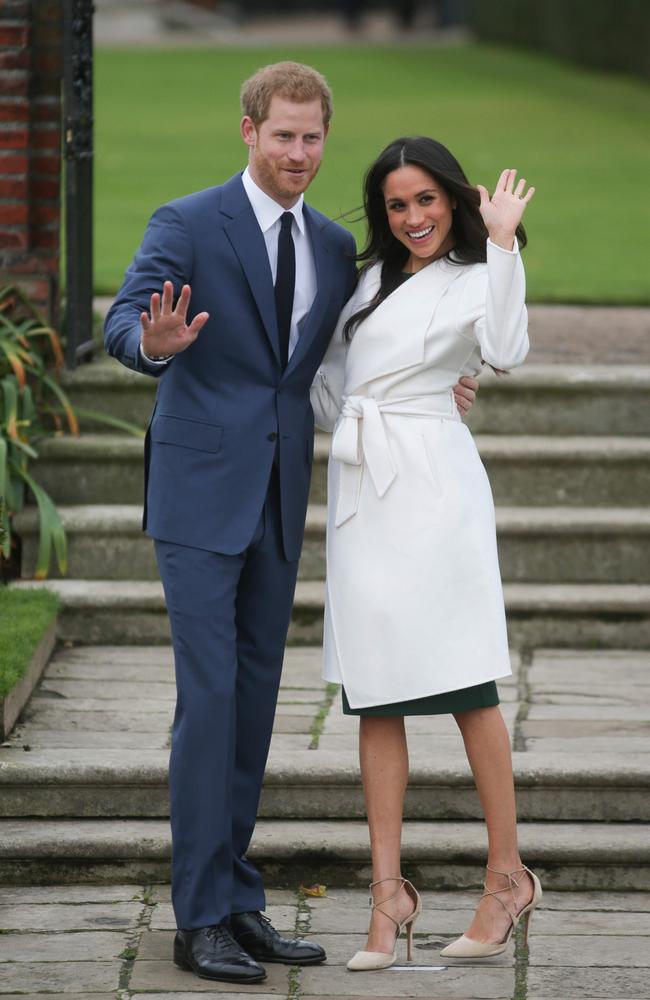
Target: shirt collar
267, 211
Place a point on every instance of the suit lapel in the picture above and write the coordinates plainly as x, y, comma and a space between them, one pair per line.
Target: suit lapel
323, 265
248, 243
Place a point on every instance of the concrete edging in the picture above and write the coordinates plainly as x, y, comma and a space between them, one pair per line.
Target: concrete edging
13, 703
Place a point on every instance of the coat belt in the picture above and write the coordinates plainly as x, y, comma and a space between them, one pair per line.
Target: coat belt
360, 437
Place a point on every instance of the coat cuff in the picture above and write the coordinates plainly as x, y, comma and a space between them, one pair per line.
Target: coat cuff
513, 252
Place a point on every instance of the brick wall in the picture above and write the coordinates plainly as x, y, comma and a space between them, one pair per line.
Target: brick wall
30, 148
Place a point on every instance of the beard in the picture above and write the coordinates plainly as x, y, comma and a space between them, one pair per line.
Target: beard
276, 182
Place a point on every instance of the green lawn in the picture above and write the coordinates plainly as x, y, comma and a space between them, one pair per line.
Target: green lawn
25, 615
167, 123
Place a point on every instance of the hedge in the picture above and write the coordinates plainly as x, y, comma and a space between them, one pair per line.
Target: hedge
605, 34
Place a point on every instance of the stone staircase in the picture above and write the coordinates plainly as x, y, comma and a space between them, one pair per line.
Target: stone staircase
569, 479
568, 456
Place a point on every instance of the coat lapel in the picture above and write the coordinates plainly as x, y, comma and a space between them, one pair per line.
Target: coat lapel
323, 264
247, 241
393, 337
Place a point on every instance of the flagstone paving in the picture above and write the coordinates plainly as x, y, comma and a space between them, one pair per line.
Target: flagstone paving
121, 698
97, 705
86, 942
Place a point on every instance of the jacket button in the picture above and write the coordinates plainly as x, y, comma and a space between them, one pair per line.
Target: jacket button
273, 436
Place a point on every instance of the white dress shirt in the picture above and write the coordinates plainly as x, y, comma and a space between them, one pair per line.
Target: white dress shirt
268, 213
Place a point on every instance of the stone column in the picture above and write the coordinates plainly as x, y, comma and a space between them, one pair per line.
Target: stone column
30, 149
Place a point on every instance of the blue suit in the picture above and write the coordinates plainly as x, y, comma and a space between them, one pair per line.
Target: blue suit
228, 460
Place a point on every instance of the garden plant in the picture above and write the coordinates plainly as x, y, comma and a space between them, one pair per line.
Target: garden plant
32, 406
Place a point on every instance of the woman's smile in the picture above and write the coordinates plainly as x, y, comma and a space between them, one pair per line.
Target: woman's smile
420, 235
420, 214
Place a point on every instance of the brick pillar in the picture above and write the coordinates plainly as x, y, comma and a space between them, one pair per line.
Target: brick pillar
30, 148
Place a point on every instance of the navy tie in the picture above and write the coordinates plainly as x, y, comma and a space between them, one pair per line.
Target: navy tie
285, 280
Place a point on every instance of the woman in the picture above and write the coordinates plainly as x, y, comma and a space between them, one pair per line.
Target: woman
414, 619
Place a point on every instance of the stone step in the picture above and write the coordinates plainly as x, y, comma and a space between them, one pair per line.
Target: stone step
106, 386
570, 615
564, 400
322, 785
534, 399
436, 854
524, 471
536, 544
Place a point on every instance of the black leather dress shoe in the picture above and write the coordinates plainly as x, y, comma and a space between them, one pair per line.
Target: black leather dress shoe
255, 932
212, 953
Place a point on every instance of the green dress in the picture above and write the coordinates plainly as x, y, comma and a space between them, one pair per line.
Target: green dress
462, 700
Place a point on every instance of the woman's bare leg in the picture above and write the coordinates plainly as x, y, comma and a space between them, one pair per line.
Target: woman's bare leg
489, 754
383, 756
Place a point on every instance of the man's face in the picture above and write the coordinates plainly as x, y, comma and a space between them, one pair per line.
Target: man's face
286, 149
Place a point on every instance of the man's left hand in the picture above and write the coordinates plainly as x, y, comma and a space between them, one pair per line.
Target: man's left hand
465, 393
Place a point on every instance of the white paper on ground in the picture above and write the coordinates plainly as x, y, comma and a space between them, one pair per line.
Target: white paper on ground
417, 968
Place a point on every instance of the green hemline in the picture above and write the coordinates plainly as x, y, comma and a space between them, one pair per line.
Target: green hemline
462, 700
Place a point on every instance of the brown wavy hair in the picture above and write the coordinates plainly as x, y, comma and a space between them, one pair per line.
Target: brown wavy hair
294, 81
468, 229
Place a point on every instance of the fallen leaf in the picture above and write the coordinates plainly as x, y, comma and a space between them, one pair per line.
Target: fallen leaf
314, 890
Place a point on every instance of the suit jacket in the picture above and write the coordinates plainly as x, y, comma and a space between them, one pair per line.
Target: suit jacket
225, 404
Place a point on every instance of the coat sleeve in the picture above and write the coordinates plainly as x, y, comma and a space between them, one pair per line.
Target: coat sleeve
164, 255
327, 388
496, 308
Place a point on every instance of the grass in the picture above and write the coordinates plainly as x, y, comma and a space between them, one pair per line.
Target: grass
167, 123
24, 618
318, 724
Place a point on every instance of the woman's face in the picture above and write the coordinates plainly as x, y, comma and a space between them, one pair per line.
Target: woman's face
419, 214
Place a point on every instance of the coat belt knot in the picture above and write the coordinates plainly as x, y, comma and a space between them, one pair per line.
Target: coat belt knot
360, 436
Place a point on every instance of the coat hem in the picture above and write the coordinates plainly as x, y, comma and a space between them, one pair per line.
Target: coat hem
423, 694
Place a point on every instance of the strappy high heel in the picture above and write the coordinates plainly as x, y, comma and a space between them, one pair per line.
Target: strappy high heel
366, 961
465, 947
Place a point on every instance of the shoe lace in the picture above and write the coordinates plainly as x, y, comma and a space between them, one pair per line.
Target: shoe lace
219, 934
513, 884
267, 927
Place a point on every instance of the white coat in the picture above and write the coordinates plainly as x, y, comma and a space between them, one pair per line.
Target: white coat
414, 602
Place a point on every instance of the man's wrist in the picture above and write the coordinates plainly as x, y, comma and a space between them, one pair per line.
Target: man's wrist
155, 359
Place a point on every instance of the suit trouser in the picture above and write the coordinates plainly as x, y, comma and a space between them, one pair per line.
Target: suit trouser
229, 618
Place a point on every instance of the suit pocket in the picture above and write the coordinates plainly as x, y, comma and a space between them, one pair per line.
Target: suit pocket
432, 466
186, 433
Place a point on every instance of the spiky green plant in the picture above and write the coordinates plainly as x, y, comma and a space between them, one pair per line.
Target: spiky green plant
32, 406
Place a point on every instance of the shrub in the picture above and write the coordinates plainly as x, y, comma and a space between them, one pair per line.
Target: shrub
32, 406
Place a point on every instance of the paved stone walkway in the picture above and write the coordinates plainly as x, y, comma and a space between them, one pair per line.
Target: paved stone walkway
98, 698
87, 942
172, 23
115, 703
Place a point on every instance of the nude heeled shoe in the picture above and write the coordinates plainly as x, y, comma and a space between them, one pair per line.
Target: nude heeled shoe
367, 961
465, 947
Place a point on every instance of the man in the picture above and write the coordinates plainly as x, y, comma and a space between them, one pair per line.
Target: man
227, 469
